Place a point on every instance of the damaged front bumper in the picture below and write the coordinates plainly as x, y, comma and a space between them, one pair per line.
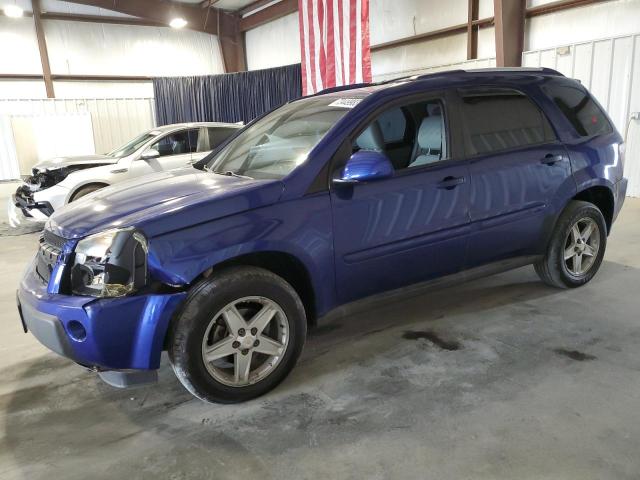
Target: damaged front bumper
27, 206
120, 338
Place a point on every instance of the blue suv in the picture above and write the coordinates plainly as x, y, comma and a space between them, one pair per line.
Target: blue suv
321, 202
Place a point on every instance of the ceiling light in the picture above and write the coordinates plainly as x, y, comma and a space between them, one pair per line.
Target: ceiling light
178, 22
13, 11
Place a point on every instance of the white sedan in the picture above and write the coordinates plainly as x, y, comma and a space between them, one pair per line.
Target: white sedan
59, 181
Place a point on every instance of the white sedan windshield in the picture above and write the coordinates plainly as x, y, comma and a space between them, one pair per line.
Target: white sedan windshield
280, 141
133, 145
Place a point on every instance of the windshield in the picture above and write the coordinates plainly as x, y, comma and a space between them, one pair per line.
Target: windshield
277, 143
133, 145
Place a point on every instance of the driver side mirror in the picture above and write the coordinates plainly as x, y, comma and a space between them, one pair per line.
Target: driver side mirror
150, 154
365, 166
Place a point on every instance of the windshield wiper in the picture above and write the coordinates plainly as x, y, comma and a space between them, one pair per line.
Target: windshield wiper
229, 173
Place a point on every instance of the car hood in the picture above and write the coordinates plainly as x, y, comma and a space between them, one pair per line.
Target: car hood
163, 202
59, 162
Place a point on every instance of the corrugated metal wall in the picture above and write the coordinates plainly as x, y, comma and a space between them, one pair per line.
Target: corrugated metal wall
114, 120
610, 69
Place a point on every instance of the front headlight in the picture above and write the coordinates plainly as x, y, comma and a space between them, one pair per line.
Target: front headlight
110, 264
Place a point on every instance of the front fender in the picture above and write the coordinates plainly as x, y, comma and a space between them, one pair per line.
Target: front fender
80, 178
300, 228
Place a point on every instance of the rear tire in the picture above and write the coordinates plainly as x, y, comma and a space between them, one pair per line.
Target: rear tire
577, 247
238, 335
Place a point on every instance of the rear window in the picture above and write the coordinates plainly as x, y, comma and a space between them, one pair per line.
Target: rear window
579, 109
502, 120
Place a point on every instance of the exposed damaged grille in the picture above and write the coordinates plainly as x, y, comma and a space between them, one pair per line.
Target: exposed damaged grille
48, 254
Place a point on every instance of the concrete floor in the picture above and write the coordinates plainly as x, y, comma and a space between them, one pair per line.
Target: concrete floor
498, 378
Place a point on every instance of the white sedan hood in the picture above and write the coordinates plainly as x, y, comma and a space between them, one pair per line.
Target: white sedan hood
59, 162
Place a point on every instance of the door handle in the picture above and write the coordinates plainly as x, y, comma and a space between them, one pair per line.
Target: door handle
450, 183
551, 159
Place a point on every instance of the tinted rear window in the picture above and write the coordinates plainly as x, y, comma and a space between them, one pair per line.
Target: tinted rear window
580, 110
504, 120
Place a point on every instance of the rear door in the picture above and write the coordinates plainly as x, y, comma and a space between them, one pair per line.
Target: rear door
413, 226
518, 170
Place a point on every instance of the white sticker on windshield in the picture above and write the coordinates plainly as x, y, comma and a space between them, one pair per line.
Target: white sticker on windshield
346, 102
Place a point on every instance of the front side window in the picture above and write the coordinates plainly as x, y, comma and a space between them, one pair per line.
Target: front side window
410, 136
276, 144
502, 120
176, 143
580, 110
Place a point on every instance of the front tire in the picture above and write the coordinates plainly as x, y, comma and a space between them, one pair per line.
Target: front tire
86, 190
576, 248
238, 335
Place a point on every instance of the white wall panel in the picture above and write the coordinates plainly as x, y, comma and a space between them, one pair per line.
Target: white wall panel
8, 159
66, 7
75, 9
440, 51
22, 89
34, 89
610, 69
600, 20
114, 121
394, 19
485, 8
102, 49
274, 44
18, 46
487, 42
77, 89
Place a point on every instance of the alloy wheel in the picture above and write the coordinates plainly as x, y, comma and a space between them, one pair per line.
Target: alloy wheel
245, 341
581, 246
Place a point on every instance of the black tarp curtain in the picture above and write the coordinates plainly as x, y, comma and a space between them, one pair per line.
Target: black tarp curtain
231, 97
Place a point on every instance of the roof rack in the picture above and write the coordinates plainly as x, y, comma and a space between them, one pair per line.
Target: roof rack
443, 73
342, 87
549, 71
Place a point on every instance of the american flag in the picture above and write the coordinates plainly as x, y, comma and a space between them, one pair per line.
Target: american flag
334, 41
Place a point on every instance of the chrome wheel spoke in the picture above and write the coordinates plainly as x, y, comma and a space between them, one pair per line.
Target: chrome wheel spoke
220, 349
588, 230
233, 319
589, 251
268, 346
262, 318
575, 233
569, 252
577, 264
242, 367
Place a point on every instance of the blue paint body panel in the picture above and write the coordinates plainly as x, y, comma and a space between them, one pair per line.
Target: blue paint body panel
353, 239
122, 333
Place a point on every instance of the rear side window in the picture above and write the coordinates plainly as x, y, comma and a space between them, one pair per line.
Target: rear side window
502, 120
217, 135
205, 139
579, 109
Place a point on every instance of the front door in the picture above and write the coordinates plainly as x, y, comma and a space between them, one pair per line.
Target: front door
518, 168
413, 226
